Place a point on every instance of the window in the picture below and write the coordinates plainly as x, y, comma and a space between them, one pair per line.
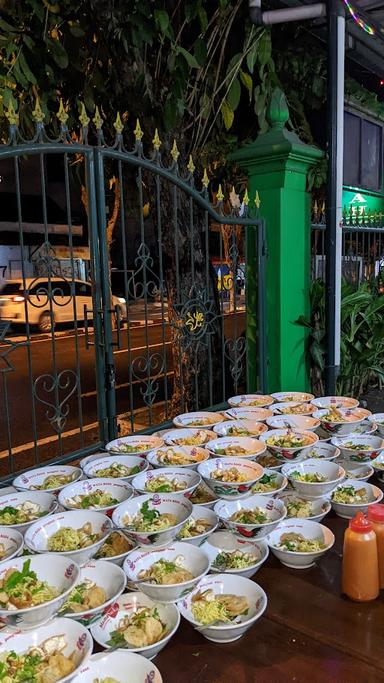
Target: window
11, 288
82, 289
363, 153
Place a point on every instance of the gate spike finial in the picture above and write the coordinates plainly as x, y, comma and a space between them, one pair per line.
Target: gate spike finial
118, 125
191, 166
175, 152
156, 141
12, 115
97, 119
220, 195
246, 198
62, 114
38, 114
83, 118
205, 180
257, 200
138, 132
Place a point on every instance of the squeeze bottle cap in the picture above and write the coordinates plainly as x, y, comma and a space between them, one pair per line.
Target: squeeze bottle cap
376, 513
360, 524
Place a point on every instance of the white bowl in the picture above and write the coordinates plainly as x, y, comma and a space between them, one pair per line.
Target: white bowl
133, 462
377, 465
250, 401
47, 503
324, 451
11, 543
140, 444
239, 428
59, 572
36, 537
193, 454
288, 453
353, 417
200, 419
188, 478
254, 414
378, 420
105, 575
119, 490
252, 446
126, 605
298, 422
30, 480
225, 541
193, 559
179, 506
319, 506
287, 408
227, 584
274, 508
308, 529
199, 512
332, 471
335, 402
358, 454
111, 664
356, 470
183, 437
366, 427
203, 496
270, 461
120, 557
78, 641
230, 490
348, 510
292, 396
279, 481
84, 462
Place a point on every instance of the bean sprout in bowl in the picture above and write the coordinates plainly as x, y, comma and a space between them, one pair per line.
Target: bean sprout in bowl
253, 517
178, 456
354, 495
201, 524
153, 520
178, 481
52, 478
270, 484
359, 448
238, 446
314, 478
288, 443
62, 647
299, 422
21, 509
203, 420
117, 628
250, 401
33, 589
233, 601
299, 544
335, 402
300, 507
110, 665
124, 467
230, 478
293, 408
188, 437
233, 555
167, 575
95, 494
357, 470
341, 421
239, 428
76, 534
134, 445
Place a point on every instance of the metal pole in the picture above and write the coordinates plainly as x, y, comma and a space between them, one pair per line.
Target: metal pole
333, 234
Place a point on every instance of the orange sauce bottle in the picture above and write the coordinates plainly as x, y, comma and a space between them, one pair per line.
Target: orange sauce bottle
360, 573
376, 517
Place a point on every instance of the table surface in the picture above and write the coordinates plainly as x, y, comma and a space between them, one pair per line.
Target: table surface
308, 633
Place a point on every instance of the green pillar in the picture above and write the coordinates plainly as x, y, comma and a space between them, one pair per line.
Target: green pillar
277, 164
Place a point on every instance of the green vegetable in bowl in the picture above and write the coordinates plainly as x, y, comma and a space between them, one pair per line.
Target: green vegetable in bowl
349, 495
356, 446
289, 440
268, 482
308, 477
236, 559
297, 543
22, 589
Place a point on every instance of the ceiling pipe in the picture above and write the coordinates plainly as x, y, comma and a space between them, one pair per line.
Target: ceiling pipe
282, 16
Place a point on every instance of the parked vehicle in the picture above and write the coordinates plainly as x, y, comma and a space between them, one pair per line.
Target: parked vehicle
44, 302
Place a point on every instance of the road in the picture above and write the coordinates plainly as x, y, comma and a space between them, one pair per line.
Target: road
34, 363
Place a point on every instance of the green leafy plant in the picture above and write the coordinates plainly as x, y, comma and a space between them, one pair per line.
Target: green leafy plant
362, 338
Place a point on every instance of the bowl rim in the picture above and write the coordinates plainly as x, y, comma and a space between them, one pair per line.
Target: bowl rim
273, 432
45, 470
70, 553
79, 615
300, 553
341, 477
96, 480
185, 472
360, 482
264, 549
176, 500
87, 469
152, 458
252, 526
170, 585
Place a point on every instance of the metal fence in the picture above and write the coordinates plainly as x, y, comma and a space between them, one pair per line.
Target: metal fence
362, 245
135, 298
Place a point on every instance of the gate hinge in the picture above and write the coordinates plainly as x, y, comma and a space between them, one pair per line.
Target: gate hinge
110, 377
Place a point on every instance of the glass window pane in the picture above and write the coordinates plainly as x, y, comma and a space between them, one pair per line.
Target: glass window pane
371, 154
351, 149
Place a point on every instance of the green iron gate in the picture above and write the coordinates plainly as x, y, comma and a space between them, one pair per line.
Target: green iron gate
125, 296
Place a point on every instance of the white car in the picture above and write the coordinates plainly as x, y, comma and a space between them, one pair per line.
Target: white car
34, 305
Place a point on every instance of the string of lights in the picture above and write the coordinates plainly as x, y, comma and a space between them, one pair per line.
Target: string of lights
358, 20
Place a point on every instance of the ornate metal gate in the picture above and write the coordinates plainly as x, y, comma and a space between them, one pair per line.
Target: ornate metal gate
125, 296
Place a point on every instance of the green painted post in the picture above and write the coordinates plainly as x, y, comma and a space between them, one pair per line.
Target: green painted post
278, 164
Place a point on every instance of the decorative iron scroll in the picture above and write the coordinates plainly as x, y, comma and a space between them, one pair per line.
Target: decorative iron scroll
61, 386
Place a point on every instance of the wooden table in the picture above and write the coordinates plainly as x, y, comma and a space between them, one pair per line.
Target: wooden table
308, 634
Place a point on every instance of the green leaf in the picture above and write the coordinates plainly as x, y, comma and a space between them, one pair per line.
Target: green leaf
25, 69
28, 41
7, 27
200, 51
234, 94
227, 114
246, 80
76, 31
169, 114
58, 52
38, 9
252, 56
265, 48
190, 59
203, 18
161, 19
